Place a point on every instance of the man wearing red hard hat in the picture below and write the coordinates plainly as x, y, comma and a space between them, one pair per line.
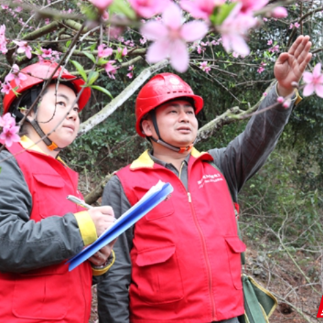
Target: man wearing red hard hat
181, 262
39, 228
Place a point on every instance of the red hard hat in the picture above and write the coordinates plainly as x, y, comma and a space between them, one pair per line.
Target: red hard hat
37, 73
160, 89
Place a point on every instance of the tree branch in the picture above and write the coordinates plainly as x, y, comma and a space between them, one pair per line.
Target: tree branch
32, 36
94, 195
121, 98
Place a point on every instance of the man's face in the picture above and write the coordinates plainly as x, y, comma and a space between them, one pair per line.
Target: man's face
176, 122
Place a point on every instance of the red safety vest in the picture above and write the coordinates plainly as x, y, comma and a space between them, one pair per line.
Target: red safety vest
185, 258
49, 294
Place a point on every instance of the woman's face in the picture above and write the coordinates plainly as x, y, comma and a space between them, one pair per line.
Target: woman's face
56, 116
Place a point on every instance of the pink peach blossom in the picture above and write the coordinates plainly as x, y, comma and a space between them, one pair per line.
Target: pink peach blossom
131, 71
101, 4
234, 29
287, 103
114, 32
6, 88
204, 67
313, 81
104, 51
3, 40
279, 12
274, 49
7, 121
47, 52
170, 37
249, 6
110, 69
123, 51
260, 69
23, 47
201, 9
148, 8
10, 135
15, 75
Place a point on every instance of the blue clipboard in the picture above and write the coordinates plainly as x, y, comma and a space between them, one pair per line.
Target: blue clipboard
152, 198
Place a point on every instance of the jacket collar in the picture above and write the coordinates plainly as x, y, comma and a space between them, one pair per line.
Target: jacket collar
28, 144
144, 160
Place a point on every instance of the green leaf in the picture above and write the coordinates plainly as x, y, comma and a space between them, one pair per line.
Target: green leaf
93, 47
220, 13
118, 55
80, 69
122, 7
89, 10
102, 61
68, 43
93, 76
102, 89
38, 51
90, 56
14, 90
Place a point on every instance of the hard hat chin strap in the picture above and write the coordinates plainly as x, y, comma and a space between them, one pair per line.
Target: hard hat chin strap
160, 141
180, 150
50, 144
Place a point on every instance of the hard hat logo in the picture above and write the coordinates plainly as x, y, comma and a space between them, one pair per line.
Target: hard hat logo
176, 85
174, 81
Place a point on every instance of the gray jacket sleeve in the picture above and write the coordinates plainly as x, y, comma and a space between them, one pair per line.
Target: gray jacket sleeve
26, 244
245, 154
113, 295
238, 162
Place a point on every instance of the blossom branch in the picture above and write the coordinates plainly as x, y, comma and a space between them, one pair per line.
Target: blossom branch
301, 21
121, 98
49, 80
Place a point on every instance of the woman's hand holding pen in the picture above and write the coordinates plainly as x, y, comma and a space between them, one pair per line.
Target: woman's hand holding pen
103, 218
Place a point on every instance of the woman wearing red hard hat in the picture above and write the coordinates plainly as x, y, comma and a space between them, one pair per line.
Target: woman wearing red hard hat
39, 228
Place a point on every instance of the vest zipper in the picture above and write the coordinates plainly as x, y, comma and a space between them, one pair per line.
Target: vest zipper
205, 256
180, 170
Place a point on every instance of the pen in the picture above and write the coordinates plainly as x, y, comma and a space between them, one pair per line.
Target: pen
78, 201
